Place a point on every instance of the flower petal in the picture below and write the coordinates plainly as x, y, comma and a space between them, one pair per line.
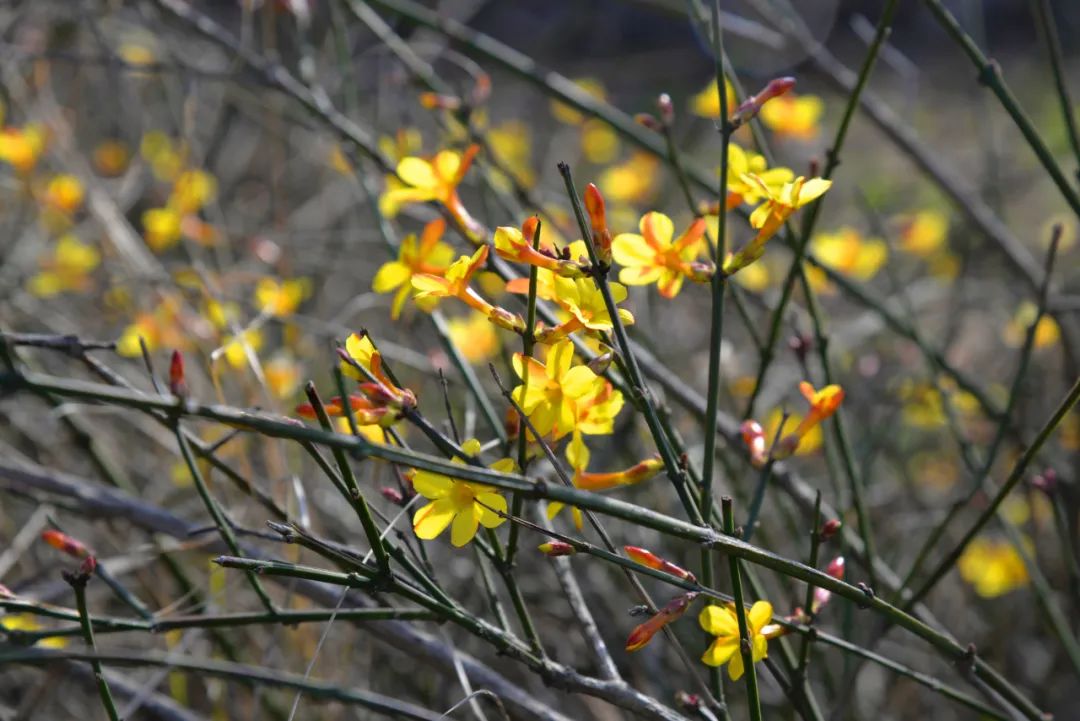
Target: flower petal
465, 524
432, 519
720, 652
417, 172
760, 614
720, 621
431, 485
486, 505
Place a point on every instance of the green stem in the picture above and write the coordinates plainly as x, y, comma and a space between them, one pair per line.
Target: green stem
745, 641
78, 584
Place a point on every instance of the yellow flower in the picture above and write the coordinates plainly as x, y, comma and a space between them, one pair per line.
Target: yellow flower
160, 328
568, 115
465, 504
652, 257
281, 299
811, 441
283, 375
633, 181
1047, 332
67, 269
235, 347
993, 567
165, 158
742, 189
923, 233
475, 336
707, 102
779, 205
512, 147
793, 116
582, 299
823, 404
405, 142
161, 228
28, 622
436, 179
21, 147
722, 622
64, 193
513, 244
548, 392
847, 252
111, 158
192, 190
599, 142
428, 255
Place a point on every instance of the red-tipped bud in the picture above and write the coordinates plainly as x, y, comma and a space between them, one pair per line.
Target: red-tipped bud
177, 382
88, 566
5, 592
647, 558
393, 495
688, 701
800, 344
666, 108
65, 543
829, 528
554, 549
1046, 481
836, 568
752, 105
702, 271
754, 437
648, 121
675, 608
821, 595
594, 204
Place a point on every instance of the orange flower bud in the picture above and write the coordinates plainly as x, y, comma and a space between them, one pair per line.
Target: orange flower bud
829, 528
65, 543
650, 559
754, 437
594, 204
528, 228
675, 608
177, 384
553, 549
752, 105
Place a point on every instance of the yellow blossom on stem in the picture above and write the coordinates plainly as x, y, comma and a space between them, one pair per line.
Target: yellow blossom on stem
166, 158
365, 411
161, 228
513, 245
810, 443
583, 301
823, 404
793, 116
427, 255
744, 190
722, 622
281, 299
361, 361
993, 567
673, 611
436, 179
768, 217
549, 390
463, 505
235, 348
192, 190
455, 284
653, 257
67, 268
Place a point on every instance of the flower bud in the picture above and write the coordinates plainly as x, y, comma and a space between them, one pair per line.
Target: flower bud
752, 105
434, 101
554, 549
651, 560
481, 89
393, 495
65, 543
1046, 481
505, 319
88, 567
666, 108
754, 437
675, 608
702, 271
594, 204
177, 382
829, 529
836, 568
528, 228
800, 344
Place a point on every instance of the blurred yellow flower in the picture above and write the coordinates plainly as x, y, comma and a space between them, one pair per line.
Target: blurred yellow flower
566, 114
511, 145
474, 336
21, 147
405, 142
68, 268
161, 228
923, 405
28, 622
599, 142
793, 116
165, 157
743, 166
755, 277
923, 233
847, 252
281, 299
1047, 332
160, 328
111, 158
707, 102
235, 347
633, 181
64, 193
192, 190
283, 375
993, 567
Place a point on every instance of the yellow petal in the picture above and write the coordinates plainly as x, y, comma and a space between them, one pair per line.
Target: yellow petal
390, 276
720, 651
432, 519
417, 172
432, 486
760, 614
719, 621
465, 525
488, 504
